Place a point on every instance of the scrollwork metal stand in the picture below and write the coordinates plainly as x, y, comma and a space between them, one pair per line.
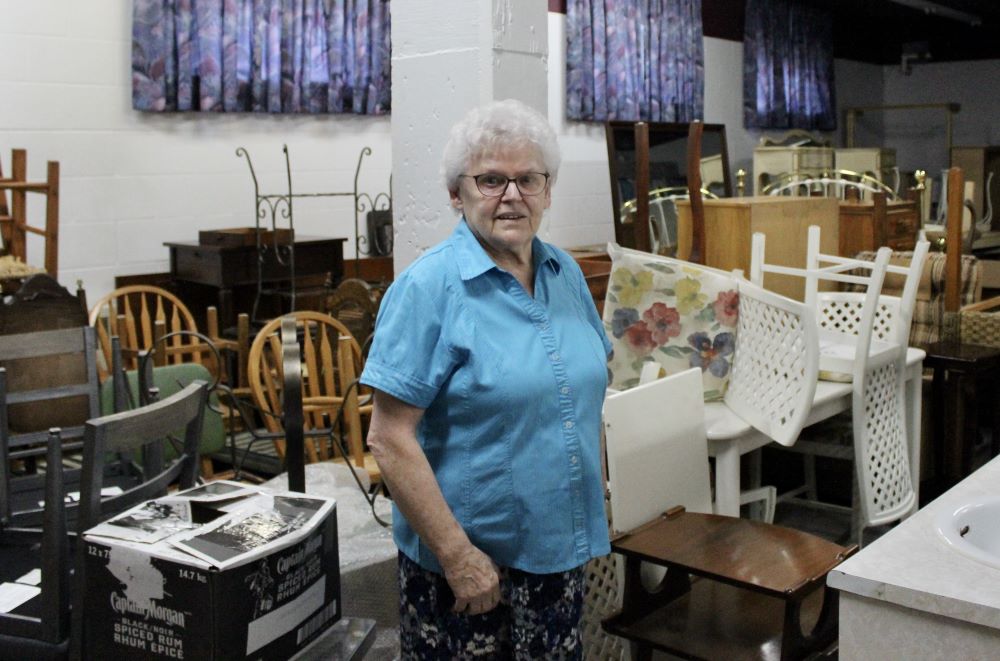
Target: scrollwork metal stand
272, 209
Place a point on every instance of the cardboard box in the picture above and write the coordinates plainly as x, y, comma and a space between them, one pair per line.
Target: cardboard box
235, 574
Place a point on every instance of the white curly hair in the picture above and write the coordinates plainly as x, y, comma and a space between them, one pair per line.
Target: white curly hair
501, 124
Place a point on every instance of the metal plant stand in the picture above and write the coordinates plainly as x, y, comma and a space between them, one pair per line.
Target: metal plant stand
274, 222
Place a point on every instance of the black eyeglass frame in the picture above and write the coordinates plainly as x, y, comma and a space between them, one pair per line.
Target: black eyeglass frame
510, 180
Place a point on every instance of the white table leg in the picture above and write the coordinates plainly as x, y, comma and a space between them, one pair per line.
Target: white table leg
727, 480
914, 403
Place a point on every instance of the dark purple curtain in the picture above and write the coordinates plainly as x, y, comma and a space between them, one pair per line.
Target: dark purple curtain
788, 67
280, 56
634, 59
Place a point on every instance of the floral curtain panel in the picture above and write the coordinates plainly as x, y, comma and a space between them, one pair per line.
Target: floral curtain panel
788, 66
279, 56
634, 60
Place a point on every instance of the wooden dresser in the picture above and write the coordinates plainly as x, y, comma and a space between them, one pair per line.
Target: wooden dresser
731, 222
871, 224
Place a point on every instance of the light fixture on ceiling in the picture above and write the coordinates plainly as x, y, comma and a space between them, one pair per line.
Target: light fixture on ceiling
914, 52
940, 10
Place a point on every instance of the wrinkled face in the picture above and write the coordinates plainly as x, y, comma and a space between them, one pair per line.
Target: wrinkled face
508, 223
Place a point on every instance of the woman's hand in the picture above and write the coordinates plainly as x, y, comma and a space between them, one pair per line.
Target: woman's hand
474, 579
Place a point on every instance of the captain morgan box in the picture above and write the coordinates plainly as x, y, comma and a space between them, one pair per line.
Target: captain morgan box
222, 571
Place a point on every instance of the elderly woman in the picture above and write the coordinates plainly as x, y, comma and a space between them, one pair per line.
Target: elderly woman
489, 370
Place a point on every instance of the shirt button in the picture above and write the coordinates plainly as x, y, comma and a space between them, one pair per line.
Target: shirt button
564, 390
555, 355
573, 460
568, 424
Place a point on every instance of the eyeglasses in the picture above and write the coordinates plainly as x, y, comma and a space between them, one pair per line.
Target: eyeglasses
491, 184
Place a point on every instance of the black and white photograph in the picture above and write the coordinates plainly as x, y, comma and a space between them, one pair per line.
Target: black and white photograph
150, 522
255, 530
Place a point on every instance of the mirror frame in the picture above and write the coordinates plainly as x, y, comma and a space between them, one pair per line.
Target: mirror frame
625, 236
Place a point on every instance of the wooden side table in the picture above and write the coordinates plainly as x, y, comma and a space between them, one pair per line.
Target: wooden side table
966, 378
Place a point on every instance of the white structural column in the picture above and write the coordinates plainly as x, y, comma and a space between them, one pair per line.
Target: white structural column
449, 56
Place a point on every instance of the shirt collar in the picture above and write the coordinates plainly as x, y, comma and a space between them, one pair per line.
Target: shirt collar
473, 260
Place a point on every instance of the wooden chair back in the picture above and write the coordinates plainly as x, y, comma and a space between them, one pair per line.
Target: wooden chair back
354, 304
71, 396
140, 315
42, 304
331, 358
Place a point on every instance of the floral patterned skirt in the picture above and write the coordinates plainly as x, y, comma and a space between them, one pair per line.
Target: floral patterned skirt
538, 617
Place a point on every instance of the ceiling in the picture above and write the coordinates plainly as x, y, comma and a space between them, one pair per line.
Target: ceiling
877, 30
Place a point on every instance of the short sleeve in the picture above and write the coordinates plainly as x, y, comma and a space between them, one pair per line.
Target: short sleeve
410, 357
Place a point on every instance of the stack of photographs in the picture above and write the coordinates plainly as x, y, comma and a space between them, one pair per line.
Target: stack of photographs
245, 522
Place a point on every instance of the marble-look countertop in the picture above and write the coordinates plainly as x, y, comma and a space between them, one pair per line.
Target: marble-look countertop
913, 566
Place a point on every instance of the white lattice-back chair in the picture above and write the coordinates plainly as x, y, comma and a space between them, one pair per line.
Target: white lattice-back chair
775, 364
841, 312
871, 355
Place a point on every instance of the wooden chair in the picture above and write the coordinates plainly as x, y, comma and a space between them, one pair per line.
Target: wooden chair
733, 588
39, 627
14, 227
141, 314
331, 360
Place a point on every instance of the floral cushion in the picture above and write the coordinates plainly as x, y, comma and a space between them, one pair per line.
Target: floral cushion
673, 312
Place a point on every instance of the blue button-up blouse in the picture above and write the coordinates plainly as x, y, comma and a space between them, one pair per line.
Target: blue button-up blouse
512, 387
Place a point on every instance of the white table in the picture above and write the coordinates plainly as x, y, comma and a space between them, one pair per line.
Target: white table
730, 437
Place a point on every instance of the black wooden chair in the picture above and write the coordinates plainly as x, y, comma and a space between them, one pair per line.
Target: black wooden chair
39, 627
179, 417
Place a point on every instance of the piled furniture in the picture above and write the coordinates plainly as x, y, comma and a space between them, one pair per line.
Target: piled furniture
863, 340
37, 511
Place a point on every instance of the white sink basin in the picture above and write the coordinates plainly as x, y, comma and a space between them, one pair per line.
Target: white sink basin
973, 529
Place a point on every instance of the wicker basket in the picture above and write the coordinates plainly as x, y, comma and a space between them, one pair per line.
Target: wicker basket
980, 327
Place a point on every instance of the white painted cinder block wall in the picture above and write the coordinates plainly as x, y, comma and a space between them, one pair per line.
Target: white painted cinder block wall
131, 181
